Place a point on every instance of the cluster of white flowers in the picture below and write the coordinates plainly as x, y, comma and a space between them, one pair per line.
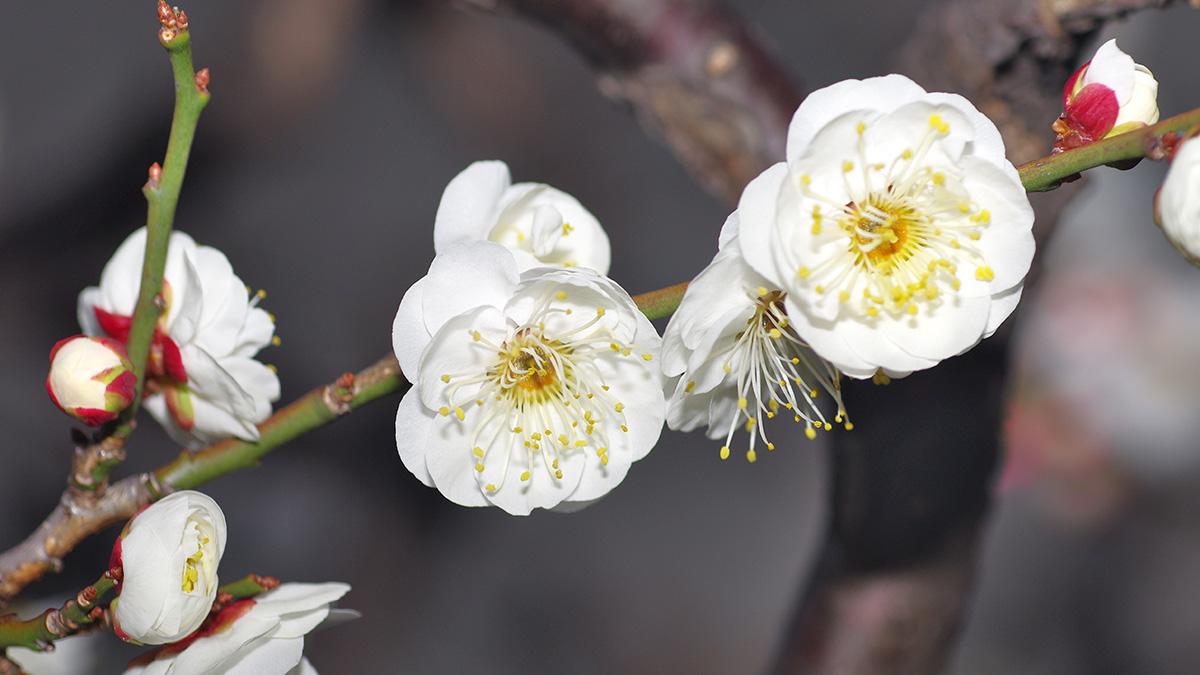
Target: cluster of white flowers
895, 235
169, 554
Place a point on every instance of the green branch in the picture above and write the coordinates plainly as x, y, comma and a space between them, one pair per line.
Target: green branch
82, 611
1048, 173
162, 197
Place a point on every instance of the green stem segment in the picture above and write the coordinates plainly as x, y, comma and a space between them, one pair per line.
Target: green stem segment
1047, 173
162, 198
80, 612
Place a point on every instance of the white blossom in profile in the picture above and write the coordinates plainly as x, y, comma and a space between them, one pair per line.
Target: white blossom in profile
897, 230
739, 361
530, 390
203, 382
540, 224
263, 635
169, 555
1178, 202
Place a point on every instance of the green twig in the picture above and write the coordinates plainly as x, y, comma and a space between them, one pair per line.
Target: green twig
1048, 173
162, 198
83, 610
247, 587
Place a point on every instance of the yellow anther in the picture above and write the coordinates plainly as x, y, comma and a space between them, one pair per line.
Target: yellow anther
751, 456
907, 154
275, 341
810, 432
775, 334
820, 289
261, 294
478, 452
446, 379
762, 290
849, 425
881, 378
458, 412
803, 272
624, 428
479, 467
558, 475
912, 308
742, 403
843, 296
985, 273
490, 488
619, 407
816, 227
847, 166
599, 311
828, 426
770, 446
860, 128
805, 179
647, 357
690, 386
561, 295
724, 452
525, 476
939, 178
475, 335
603, 460
443, 411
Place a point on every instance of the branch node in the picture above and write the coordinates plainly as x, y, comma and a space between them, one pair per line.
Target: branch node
203, 77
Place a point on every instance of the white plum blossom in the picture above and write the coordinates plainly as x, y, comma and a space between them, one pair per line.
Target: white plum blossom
204, 384
897, 232
90, 378
738, 360
531, 390
169, 555
541, 225
1178, 202
263, 635
1108, 95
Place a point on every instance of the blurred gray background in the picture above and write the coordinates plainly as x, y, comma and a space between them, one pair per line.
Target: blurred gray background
334, 126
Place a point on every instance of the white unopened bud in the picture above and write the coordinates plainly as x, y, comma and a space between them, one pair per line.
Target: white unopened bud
90, 378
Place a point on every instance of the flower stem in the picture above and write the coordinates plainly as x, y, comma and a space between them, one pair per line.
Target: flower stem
83, 610
1048, 173
162, 198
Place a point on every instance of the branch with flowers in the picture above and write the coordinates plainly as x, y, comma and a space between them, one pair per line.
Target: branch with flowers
892, 234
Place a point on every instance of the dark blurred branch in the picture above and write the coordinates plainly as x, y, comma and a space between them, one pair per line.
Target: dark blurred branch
911, 488
693, 72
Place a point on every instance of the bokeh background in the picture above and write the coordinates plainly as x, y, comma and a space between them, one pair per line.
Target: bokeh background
334, 126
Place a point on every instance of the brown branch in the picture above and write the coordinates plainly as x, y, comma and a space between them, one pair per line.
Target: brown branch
896, 570
895, 575
82, 513
695, 75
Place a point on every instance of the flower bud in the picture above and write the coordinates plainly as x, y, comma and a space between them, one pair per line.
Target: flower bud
1108, 95
90, 378
1177, 205
169, 554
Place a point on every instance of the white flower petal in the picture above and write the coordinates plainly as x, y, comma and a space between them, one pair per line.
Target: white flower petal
822, 106
1003, 305
469, 205
1113, 68
757, 217
449, 292
414, 424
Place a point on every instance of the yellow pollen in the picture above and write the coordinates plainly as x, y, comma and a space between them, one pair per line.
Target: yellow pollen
443, 411
647, 357
524, 476
775, 334
561, 295
762, 290
985, 273
742, 403
860, 128
847, 166
599, 311
939, 178
490, 488
751, 456
446, 379
479, 467
810, 432
690, 386
803, 272
275, 341
724, 452
478, 452
458, 412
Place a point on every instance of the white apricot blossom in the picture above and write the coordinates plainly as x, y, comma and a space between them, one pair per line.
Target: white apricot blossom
169, 555
897, 230
738, 360
1178, 202
531, 390
204, 384
1108, 95
263, 635
541, 225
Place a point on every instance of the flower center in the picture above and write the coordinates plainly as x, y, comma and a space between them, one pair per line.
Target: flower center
777, 374
192, 565
904, 232
542, 398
